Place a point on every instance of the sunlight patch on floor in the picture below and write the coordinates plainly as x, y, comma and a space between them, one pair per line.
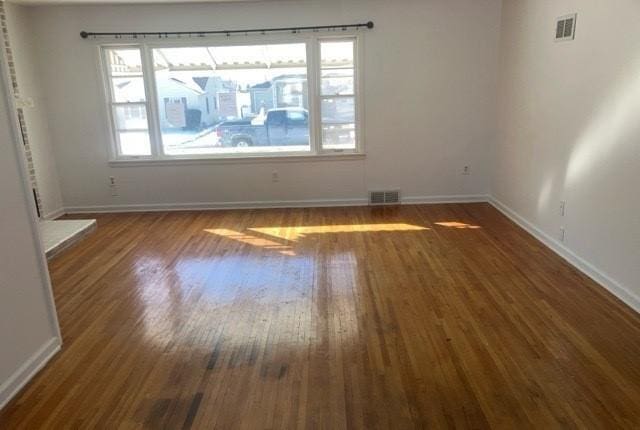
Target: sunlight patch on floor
458, 225
294, 233
250, 239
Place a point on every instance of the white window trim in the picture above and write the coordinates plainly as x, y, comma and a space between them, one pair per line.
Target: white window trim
357, 92
316, 152
110, 104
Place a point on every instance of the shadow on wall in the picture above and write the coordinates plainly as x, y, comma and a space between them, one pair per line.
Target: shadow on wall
610, 127
617, 116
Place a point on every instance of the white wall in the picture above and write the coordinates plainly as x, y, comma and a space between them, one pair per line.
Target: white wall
569, 129
29, 84
28, 329
430, 86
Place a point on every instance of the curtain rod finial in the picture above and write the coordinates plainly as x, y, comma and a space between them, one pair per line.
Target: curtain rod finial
370, 24
84, 34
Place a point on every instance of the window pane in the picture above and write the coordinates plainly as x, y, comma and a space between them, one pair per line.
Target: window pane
127, 86
134, 143
131, 117
338, 110
233, 100
338, 114
124, 62
338, 54
183, 58
128, 90
341, 136
337, 82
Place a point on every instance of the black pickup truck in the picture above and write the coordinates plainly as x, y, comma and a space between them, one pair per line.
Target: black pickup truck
285, 126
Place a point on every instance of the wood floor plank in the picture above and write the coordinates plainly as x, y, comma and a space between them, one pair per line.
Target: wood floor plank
440, 316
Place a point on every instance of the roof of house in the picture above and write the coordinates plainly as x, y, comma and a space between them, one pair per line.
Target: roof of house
190, 85
201, 81
268, 84
262, 85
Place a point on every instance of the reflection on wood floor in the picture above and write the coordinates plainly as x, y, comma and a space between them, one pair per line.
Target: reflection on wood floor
410, 317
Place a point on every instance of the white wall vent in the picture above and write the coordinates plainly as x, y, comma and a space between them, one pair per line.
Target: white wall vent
566, 27
384, 198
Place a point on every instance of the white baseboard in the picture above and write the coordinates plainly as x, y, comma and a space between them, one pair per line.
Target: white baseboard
54, 214
430, 200
265, 204
215, 206
28, 370
613, 286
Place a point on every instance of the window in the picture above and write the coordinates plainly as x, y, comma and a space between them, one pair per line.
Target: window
211, 101
254, 84
128, 102
338, 94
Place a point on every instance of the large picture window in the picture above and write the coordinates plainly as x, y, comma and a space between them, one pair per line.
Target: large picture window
211, 101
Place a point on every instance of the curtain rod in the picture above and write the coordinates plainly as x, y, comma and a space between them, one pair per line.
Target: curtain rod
161, 34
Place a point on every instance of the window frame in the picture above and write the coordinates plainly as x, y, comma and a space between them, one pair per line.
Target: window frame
111, 105
357, 92
311, 40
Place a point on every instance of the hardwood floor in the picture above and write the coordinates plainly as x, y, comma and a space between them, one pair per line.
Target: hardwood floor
411, 317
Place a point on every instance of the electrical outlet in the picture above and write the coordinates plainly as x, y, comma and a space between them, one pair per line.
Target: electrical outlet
466, 170
275, 177
563, 234
563, 207
113, 186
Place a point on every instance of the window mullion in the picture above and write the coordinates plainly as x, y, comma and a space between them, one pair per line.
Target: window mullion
152, 112
357, 89
313, 73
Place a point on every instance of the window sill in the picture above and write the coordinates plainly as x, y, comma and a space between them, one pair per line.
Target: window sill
237, 160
